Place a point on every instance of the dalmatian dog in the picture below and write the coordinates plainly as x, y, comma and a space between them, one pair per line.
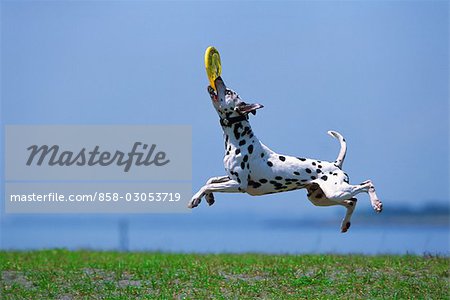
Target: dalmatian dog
254, 169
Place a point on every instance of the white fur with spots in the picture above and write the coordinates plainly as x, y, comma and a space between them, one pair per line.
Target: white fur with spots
255, 169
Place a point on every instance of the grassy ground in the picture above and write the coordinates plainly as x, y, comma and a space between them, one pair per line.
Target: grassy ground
61, 274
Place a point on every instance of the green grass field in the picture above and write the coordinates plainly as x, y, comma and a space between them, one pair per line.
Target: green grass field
61, 274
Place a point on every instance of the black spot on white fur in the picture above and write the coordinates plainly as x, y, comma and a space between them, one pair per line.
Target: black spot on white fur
236, 130
254, 184
250, 149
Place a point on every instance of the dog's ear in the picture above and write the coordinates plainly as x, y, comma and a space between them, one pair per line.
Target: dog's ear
244, 108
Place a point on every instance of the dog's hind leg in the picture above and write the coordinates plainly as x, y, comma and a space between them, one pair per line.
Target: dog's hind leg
376, 203
317, 197
346, 191
229, 186
210, 196
350, 206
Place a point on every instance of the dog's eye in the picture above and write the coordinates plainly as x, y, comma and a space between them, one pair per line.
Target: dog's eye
228, 92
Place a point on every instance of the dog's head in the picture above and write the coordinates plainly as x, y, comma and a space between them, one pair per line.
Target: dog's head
227, 102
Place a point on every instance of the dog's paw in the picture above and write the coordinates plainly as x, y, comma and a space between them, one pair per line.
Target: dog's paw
210, 199
377, 206
194, 202
345, 227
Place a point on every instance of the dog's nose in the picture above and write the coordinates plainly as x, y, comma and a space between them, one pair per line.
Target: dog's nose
219, 84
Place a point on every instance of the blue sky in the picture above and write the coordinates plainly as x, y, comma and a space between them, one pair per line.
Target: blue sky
375, 71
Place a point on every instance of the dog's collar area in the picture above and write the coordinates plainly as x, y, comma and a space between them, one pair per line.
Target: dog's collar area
227, 122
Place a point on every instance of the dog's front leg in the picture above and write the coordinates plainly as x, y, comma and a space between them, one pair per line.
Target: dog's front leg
210, 196
229, 186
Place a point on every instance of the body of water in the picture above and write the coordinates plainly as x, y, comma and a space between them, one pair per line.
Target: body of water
232, 233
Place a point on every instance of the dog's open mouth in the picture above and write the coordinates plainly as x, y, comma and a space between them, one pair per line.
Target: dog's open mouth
212, 93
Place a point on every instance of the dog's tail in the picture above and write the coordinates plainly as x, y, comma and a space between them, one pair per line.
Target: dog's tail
341, 156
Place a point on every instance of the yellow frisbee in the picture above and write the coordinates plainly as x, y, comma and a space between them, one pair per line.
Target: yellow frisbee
213, 65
